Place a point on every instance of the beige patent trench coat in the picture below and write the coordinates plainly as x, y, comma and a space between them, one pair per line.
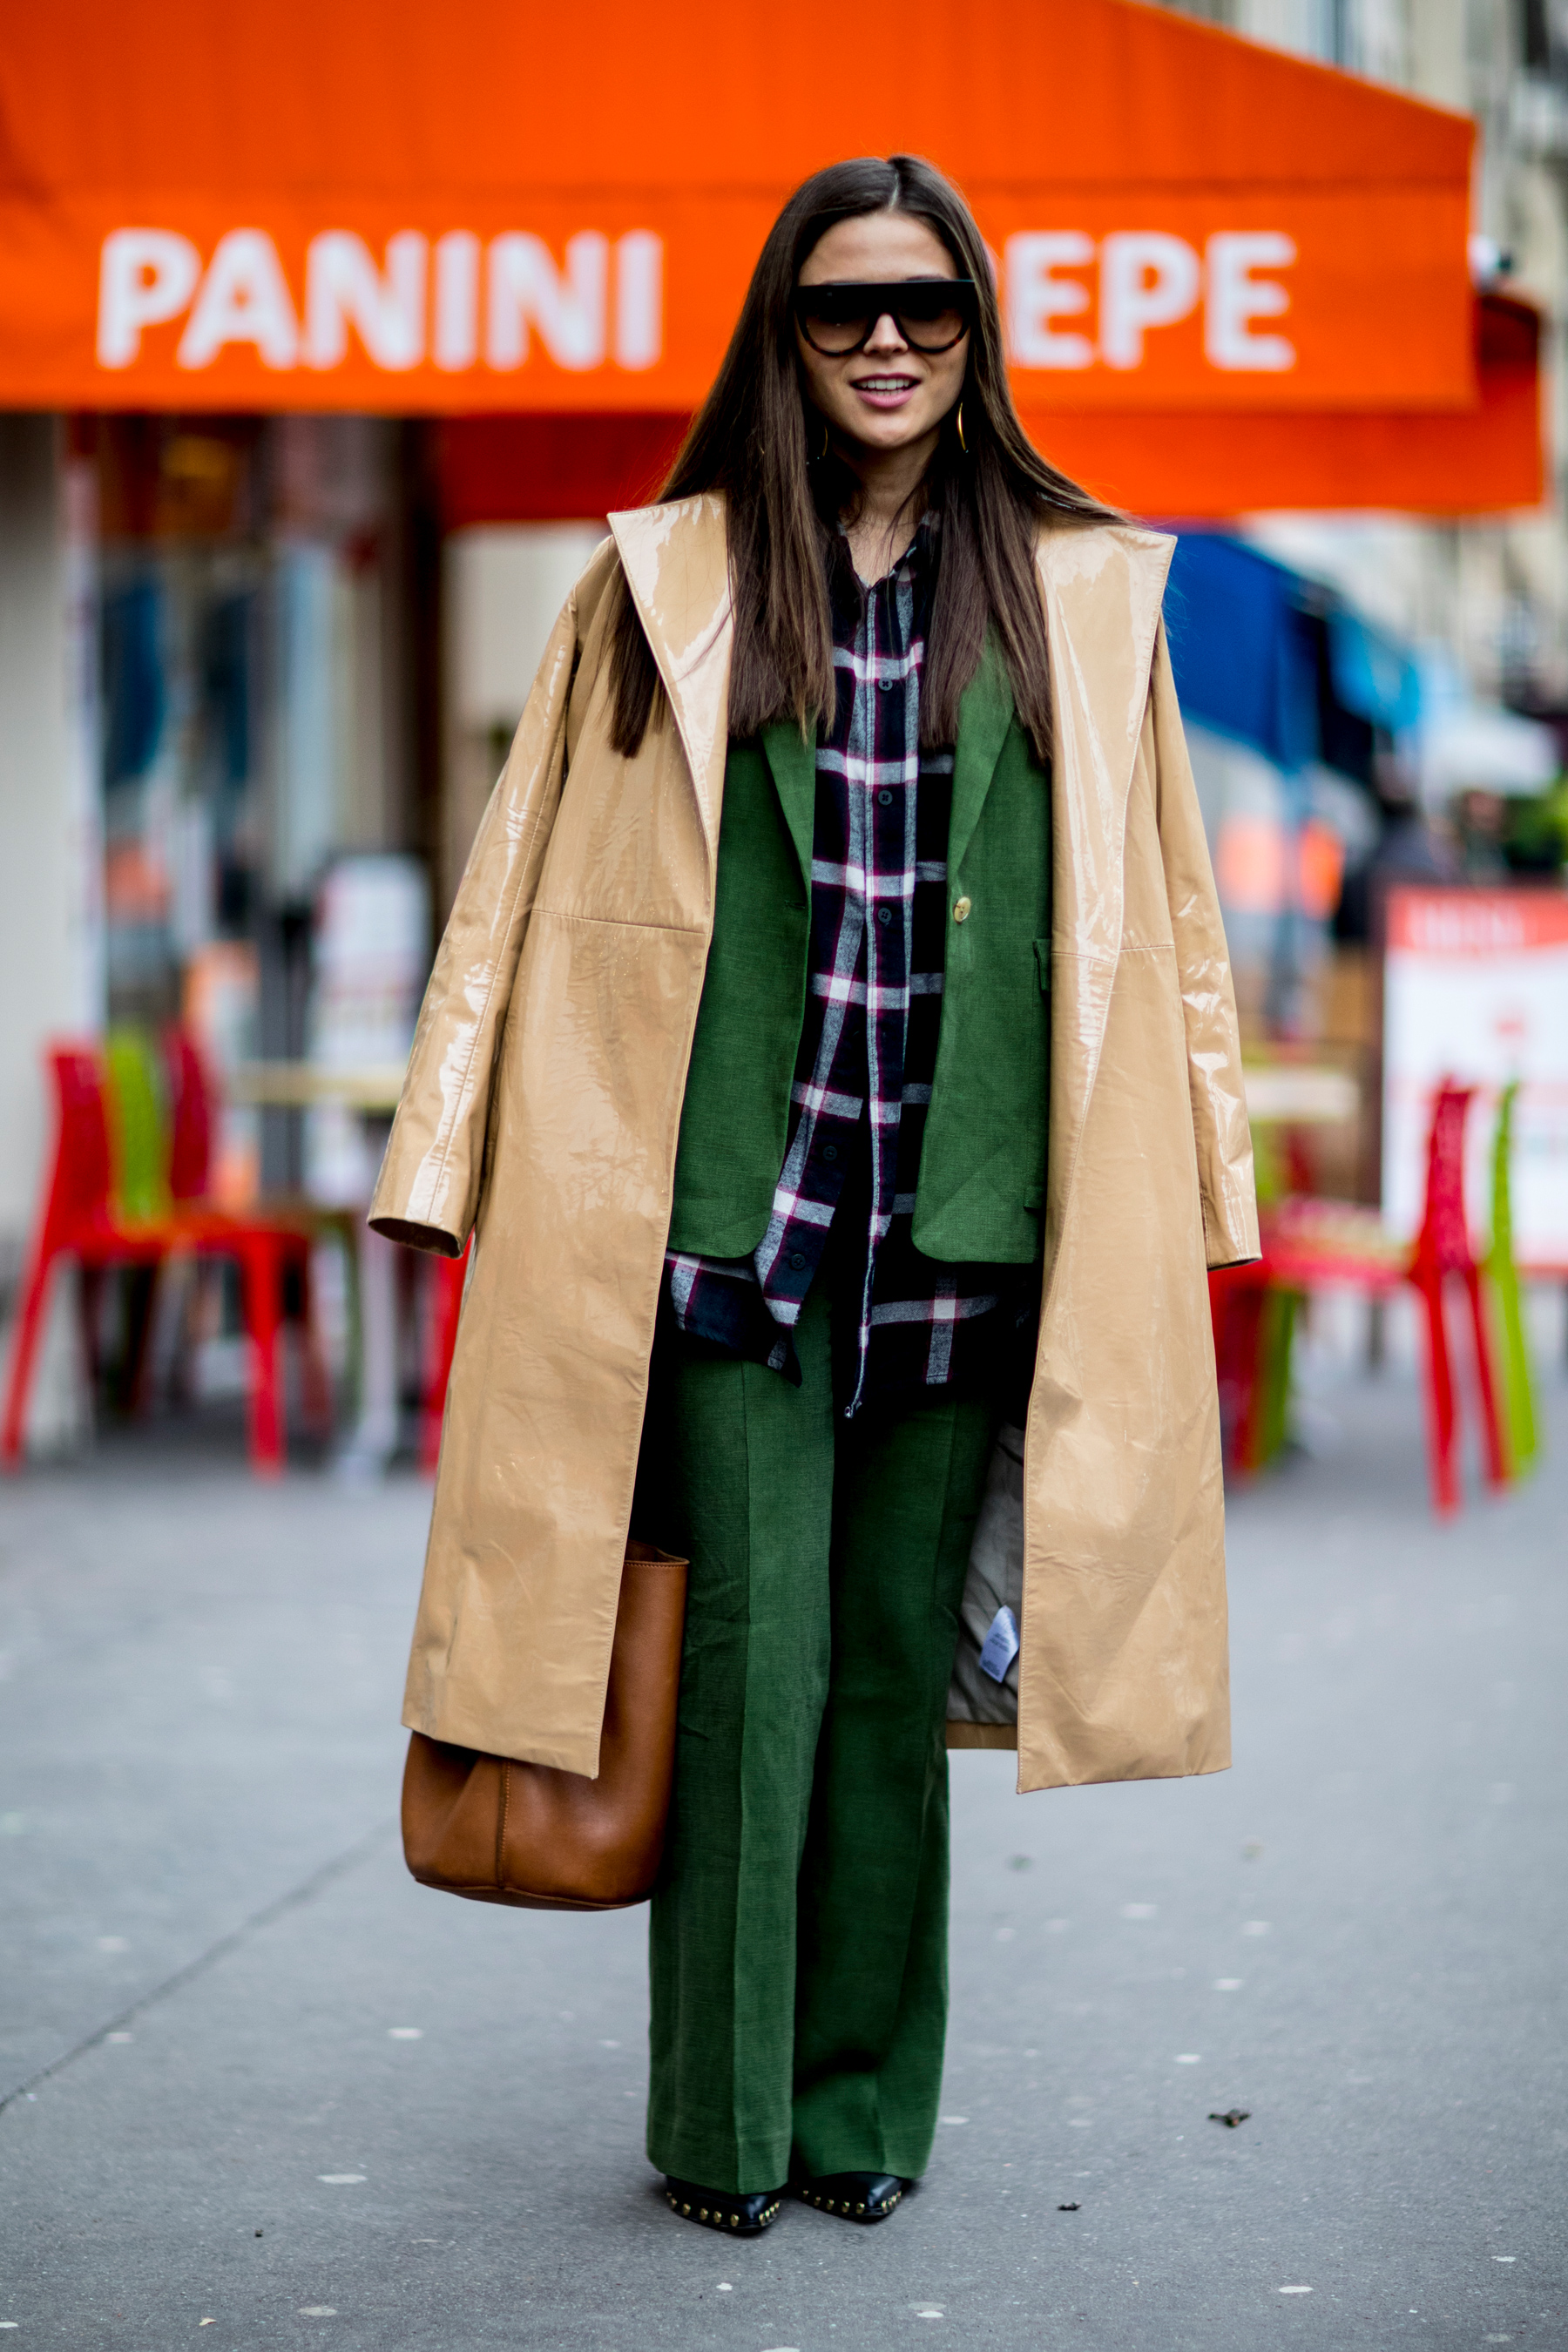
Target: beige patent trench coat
541, 1109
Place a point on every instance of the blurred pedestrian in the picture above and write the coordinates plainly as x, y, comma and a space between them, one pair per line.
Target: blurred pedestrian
756, 1010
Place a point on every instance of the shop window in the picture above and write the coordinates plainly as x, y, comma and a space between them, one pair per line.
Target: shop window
257, 637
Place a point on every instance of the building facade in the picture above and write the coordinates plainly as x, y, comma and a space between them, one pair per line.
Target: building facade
1495, 595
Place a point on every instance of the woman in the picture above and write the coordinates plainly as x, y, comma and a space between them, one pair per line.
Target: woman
833, 1051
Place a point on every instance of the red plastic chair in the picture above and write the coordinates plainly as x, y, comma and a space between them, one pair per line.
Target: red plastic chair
1236, 1294
80, 1220
266, 1247
449, 1278
192, 1116
1442, 1249
1309, 1242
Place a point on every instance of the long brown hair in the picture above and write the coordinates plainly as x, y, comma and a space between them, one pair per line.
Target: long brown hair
749, 440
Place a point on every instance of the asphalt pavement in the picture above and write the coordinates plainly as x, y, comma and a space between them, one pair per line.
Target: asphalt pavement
262, 2091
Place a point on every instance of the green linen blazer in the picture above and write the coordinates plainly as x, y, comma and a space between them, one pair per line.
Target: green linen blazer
982, 1181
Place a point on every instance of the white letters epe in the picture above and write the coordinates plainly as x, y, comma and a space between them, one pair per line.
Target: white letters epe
1148, 279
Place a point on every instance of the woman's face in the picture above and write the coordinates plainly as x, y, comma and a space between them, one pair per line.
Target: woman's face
888, 394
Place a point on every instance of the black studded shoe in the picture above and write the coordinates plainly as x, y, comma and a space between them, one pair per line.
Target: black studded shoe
738, 2214
853, 2196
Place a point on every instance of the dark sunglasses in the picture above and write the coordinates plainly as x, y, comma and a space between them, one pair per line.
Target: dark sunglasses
932, 314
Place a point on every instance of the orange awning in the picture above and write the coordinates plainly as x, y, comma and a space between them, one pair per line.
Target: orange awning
1204, 246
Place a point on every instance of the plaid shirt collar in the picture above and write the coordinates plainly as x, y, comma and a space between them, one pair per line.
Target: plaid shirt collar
867, 1047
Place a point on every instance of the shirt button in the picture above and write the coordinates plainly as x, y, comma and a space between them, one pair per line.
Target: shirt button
886, 685
885, 914
961, 910
830, 1152
885, 800
798, 1259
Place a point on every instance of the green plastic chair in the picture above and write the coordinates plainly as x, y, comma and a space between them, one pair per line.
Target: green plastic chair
1522, 1428
137, 1125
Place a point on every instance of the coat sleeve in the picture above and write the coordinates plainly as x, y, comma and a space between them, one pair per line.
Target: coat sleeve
1216, 1087
428, 1190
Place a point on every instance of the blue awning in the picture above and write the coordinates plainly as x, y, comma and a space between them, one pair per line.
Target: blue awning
1244, 650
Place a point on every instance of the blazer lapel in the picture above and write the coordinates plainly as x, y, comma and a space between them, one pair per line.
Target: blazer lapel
1102, 591
792, 760
984, 714
676, 564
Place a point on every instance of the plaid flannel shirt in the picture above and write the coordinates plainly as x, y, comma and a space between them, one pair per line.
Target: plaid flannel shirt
868, 1042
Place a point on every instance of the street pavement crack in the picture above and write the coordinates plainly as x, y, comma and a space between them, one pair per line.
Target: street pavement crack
294, 1899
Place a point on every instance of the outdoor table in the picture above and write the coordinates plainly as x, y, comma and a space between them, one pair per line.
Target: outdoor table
294, 1085
372, 1089
1300, 1095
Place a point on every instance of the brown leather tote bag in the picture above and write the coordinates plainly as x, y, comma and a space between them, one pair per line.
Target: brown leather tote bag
551, 1840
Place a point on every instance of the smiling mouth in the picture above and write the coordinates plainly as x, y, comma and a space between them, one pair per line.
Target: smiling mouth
884, 383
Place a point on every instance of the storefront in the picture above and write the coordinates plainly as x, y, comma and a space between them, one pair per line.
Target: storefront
357, 321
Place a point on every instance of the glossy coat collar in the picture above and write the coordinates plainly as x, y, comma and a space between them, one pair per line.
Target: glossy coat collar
676, 564
1102, 587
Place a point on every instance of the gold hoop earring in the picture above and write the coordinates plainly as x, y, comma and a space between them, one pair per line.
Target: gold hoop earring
823, 451
959, 423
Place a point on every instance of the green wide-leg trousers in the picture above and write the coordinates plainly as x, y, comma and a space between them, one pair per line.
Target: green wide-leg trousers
798, 1942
